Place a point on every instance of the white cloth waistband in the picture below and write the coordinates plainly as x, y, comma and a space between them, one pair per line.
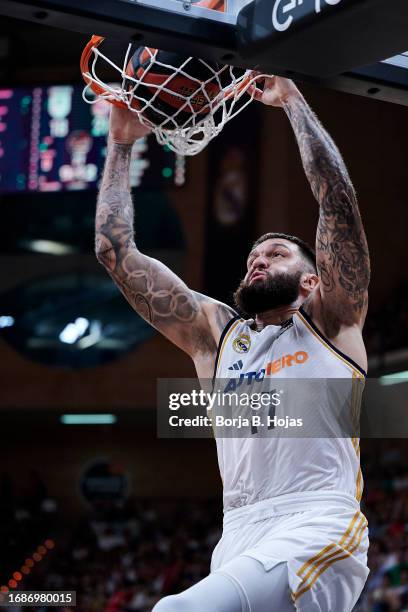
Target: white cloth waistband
288, 504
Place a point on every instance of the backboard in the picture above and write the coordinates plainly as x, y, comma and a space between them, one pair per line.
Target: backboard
316, 40
219, 10
386, 80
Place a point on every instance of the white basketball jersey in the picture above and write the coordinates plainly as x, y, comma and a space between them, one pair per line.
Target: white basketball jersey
255, 468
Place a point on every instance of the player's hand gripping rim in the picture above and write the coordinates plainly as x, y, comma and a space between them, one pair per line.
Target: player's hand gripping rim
276, 91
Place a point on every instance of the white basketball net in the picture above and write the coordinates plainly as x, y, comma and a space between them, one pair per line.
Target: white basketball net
197, 130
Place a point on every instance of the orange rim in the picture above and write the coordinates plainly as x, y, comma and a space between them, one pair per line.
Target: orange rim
238, 88
100, 90
215, 5
84, 64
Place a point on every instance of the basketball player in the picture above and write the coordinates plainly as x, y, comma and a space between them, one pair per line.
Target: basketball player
294, 536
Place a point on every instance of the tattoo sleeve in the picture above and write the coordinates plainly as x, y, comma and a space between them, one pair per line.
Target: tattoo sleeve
341, 246
154, 291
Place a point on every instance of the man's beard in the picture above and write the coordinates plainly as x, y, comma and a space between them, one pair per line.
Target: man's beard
281, 289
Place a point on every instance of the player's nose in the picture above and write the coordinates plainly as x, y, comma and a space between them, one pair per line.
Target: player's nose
260, 263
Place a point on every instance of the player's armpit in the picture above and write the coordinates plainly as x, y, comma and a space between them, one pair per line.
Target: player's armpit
190, 320
345, 337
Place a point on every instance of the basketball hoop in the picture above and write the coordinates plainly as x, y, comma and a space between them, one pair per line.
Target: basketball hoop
188, 129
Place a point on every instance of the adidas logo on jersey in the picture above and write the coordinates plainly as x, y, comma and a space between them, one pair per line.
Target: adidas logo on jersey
238, 365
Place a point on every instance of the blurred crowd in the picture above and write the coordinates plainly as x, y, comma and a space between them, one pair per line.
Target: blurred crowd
385, 504
124, 557
386, 327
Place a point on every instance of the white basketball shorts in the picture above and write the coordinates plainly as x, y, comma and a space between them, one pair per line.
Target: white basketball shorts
321, 536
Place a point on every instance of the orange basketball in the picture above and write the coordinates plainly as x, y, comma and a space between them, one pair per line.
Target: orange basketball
179, 87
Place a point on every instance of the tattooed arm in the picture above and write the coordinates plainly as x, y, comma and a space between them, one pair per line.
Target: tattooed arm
190, 320
341, 247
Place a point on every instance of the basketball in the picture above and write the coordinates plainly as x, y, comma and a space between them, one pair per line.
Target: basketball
184, 93
185, 99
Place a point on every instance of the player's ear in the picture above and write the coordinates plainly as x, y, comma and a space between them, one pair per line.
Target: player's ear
309, 281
